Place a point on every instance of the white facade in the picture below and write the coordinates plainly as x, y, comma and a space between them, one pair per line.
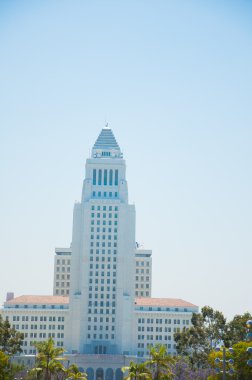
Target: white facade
158, 319
143, 273
39, 318
62, 276
62, 269
102, 272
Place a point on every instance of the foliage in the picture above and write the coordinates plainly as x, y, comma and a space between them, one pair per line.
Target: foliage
10, 339
240, 357
209, 328
73, 373
137, 371
48, 359
160, 362
236, 329
8, 369
183, 370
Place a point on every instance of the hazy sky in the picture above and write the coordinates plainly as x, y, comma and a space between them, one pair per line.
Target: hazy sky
174, 81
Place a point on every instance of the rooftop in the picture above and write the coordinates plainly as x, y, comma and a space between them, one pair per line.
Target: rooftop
165, 302
43, 300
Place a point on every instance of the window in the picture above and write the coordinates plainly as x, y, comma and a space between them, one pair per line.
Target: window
94, 176
110, 179
99, 178
105, 177
116, 177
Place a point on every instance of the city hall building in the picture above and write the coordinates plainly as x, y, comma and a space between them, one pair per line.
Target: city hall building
101, 310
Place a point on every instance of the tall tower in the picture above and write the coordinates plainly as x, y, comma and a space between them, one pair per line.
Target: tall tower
103, 265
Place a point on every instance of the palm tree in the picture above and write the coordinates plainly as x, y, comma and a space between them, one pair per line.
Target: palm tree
160, 363
73, 373
48, 358
137, 371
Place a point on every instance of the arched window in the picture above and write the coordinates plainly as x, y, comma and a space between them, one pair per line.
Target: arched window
99, 374
94, 176
110, 177
116, 177
90, 374
118, 374
109, 374
99, 177
105, 177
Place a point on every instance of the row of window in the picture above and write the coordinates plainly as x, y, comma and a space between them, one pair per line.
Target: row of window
101, 296
63, 262
106, 328
142, 278
166, 321
102, 288
40, 306
102, 266
157, 329
104, 222
104, 208
142, 294
36, 318
97, 259
62, 292
38, 327
104, 215
147, 271
102, 281
104, 194
63, 277
63, 269
104, 230
154, 337
103, 244
101, 311
103, 251
142, 286
63, 284
154, 308
101, 319
101, 336
101, 274
53, 335
105, 177
101, 303
103, 237
142, 263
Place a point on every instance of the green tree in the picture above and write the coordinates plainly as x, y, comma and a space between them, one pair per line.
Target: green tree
48, 359
160, 362
208, 328
137, 371
8, 369
10, 339
73, 373
236, 329
240, 357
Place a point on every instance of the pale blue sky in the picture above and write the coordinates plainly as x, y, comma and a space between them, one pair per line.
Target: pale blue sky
174, 80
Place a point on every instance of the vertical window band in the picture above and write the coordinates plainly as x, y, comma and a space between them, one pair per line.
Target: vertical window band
99, 177
116, 177
94, 176
105, 177
110, 177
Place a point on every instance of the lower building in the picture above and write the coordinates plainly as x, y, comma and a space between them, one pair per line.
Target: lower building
155, 322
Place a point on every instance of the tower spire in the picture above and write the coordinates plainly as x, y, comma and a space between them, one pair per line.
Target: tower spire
106, 145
